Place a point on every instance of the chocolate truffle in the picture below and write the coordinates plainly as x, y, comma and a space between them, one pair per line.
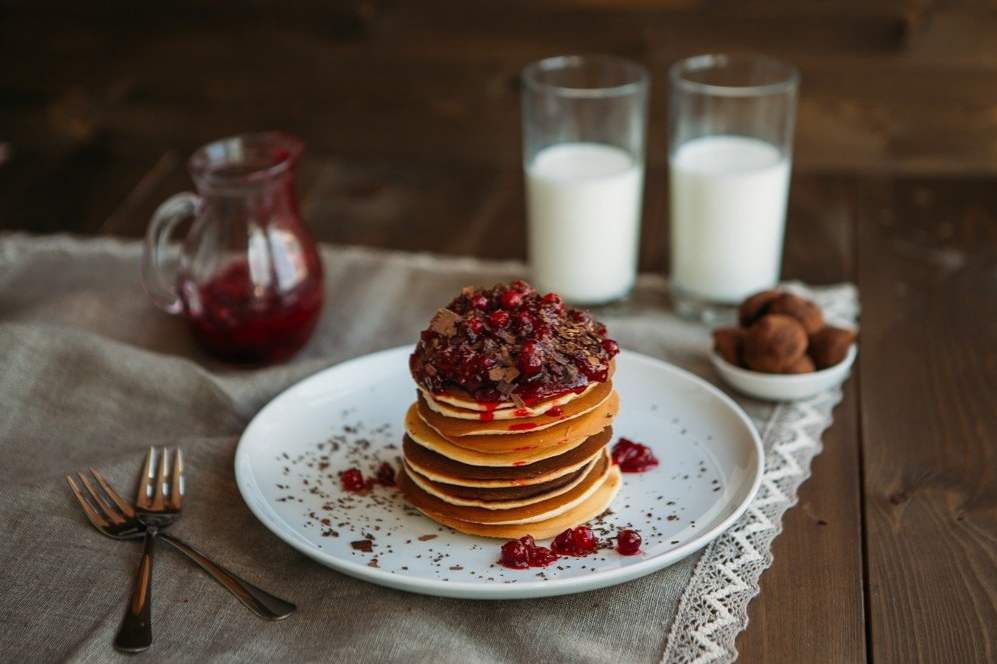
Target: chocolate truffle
774, 343
829, 346
801, 309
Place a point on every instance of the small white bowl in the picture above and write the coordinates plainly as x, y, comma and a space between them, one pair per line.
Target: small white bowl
783, 387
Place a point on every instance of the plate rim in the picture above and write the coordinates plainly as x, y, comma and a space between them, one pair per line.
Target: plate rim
246, 484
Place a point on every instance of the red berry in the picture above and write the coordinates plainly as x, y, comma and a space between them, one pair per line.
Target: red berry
352, 480
386, 474
575, 542
498, 318
541, 556
515, 555
628, 542
521, 286
552, 298
611, 347
479, 301
528, 541
474, 325
530, 361
511, 299
633, 457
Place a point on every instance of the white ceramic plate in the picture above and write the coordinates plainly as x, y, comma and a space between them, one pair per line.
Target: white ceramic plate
288, 459
783, 387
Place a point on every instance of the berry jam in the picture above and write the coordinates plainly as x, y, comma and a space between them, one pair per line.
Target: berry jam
524, 553
352, 480
578, 541
556, 411
242, 322
509, 343
633, 457
628, 542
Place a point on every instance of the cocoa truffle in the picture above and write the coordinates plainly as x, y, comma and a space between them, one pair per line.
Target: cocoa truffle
829, 346
727, 342
774, 343
756, 306
800, 366
800, 308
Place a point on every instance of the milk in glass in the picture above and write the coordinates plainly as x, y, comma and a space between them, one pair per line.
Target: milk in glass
728, 216
584, 202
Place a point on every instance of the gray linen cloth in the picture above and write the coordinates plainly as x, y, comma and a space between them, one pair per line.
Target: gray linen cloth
92, 375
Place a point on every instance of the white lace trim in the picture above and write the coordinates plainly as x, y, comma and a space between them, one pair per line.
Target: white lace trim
714, 606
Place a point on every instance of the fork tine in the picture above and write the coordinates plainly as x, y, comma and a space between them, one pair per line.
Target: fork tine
125, 508
158, 500
109, 512
93, 517
176, 482
143, 497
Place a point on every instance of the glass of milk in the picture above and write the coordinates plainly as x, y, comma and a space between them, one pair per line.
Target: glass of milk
584, 121
730, 158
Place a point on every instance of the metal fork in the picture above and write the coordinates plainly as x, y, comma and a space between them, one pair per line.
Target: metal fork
120, 521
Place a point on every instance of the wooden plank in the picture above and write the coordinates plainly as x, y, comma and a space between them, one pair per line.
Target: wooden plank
927, 251
811, 604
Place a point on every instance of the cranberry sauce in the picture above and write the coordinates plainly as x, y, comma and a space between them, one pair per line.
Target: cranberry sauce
628, 542
524, 553
578, 541
233, 319
633, 457
511, 343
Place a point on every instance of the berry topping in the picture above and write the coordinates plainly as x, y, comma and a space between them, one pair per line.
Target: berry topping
633, 457
628, 542
575, 542
352, 480
498, 318
524, 553
510, 343
511, 299
515, 555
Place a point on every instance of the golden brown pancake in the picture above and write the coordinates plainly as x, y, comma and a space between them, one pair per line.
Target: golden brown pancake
439, 403
439, 468
513, 492
491, 502
588, 509
536, 511
565, 433
456, 428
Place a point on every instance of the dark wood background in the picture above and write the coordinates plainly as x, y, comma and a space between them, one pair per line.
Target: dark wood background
410, 113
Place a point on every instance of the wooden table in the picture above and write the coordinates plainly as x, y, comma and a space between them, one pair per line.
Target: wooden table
412, 125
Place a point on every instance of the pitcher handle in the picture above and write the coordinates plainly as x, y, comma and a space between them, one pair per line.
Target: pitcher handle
172, 211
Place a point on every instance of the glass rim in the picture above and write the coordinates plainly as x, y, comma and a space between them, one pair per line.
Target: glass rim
203, 164
641, 76
677, 74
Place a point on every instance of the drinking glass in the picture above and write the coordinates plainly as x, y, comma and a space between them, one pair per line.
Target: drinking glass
731, 127
584, 120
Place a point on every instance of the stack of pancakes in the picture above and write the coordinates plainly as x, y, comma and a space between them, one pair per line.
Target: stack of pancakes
507, 470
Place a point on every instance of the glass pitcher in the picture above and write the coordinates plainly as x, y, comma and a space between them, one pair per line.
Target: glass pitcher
249, 278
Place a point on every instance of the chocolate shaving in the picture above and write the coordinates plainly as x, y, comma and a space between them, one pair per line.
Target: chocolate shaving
444, 322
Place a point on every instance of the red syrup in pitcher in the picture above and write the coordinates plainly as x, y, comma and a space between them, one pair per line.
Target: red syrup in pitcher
238, 321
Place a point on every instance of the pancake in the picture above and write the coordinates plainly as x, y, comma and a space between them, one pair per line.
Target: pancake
455, 428
531, 513
588, 509
439, 403
512, 492
455, 396
490, 501
439, 468
512, 450
563, 433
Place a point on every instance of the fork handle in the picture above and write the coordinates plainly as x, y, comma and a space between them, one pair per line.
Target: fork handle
256, 599
135, 632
